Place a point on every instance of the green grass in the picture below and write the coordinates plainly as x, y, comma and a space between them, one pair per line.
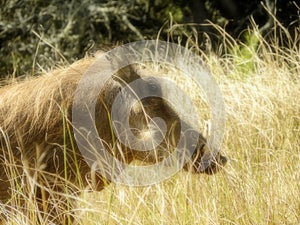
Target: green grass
259, 185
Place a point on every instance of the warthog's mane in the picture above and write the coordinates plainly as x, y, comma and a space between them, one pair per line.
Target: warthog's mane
38, 103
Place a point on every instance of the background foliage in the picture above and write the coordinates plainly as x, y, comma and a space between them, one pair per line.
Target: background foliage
38, 33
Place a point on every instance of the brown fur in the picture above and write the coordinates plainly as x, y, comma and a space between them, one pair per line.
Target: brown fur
34, 139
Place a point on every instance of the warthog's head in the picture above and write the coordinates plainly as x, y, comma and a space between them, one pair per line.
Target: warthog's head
144, 125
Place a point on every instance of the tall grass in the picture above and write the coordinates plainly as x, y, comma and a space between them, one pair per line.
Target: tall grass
259, 185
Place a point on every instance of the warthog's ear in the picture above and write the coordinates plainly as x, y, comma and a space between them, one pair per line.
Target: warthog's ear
128, 74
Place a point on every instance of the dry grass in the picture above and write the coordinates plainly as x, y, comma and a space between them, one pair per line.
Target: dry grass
260, 184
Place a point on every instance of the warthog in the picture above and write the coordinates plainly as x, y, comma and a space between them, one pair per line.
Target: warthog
37, 138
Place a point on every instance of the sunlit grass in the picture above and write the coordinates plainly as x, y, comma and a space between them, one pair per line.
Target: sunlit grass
259, 185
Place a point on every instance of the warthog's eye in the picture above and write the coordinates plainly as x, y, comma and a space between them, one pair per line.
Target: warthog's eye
202, 147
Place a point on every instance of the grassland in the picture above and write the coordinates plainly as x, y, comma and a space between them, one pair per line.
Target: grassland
259, 185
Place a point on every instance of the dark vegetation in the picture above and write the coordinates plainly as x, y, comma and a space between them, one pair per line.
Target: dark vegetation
39, 34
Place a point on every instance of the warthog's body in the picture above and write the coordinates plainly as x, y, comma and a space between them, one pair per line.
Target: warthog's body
36, 130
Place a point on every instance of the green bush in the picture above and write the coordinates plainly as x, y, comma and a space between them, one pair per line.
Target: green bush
39, 32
